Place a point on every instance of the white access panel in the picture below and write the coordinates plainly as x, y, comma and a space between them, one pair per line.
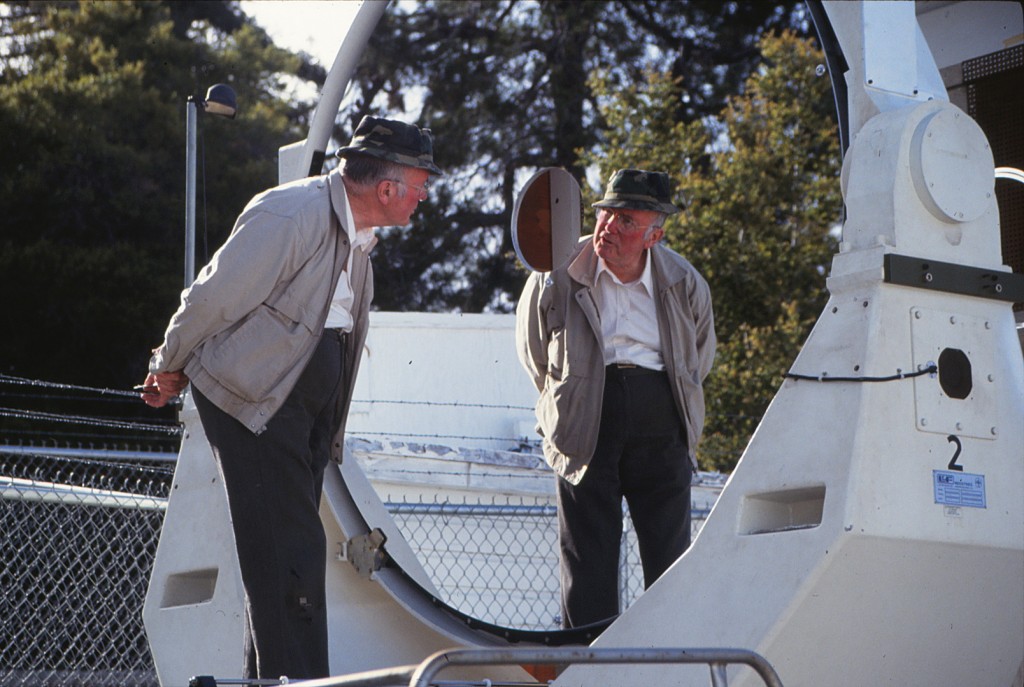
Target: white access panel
935, 331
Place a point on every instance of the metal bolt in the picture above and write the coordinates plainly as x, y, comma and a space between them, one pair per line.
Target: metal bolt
999, 288
952, 319
928, 276
959, 426
991, 378
917, 314
994, 431
924, 422
820, 70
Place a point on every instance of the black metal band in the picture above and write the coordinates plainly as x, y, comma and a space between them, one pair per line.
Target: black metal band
952, 278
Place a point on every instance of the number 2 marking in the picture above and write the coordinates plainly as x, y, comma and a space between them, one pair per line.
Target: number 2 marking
953, 439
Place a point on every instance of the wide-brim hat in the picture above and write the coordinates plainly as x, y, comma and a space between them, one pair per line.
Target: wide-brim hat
394, 141
639, 190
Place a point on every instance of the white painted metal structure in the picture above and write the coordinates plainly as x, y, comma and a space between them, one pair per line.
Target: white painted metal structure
847, 548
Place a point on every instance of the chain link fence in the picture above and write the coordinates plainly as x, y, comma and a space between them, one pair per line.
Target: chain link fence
79, 531
498, 562
78, 539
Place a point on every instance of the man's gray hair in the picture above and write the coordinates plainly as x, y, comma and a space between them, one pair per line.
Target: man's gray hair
368, 171
659, 221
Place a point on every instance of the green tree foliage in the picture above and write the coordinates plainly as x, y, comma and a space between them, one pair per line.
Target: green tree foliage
761, 182
503, 84
92, 174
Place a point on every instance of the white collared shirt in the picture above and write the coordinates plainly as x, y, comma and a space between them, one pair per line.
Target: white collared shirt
629, 319
340, 314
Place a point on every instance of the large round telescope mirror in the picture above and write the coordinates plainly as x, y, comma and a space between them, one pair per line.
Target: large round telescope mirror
546, 219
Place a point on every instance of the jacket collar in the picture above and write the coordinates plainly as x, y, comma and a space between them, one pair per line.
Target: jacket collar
583, 264
645, 276
665, 272
340, 206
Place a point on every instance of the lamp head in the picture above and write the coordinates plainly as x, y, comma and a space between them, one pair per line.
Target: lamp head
221, 101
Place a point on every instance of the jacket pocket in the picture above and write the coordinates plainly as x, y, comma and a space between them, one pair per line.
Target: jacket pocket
556, 354
563, 410
693, 403
293, 307
253, 358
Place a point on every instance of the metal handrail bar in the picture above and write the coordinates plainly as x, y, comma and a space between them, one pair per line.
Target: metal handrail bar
486, 509
714, 658
470, 509
382, 677
16, 488
423, 674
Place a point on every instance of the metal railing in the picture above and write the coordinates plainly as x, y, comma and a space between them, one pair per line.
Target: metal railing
424, 674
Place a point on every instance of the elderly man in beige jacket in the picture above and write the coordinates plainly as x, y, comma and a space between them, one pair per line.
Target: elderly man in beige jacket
618, 342
270, 336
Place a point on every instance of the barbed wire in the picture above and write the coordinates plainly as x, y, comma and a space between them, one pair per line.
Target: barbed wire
84, 420
356, 433
24, 381
456, 404
175, 430
540, 472
55, 437
56, 397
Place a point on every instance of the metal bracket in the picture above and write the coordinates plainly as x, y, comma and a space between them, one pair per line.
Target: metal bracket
952, 278
365, 552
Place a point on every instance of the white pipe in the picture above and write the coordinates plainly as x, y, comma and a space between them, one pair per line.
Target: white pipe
190, 191
1011, 173
349, 53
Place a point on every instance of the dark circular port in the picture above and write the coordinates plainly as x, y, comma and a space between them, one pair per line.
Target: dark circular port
955, 373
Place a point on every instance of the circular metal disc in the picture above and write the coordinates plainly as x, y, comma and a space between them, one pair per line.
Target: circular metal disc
546, 219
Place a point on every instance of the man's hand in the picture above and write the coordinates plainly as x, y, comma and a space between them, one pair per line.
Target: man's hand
160, 388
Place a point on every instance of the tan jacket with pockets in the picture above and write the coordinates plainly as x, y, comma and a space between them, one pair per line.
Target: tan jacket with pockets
252, 319
558, 339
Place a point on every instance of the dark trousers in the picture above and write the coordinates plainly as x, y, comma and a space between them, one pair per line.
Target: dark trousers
273, 483
641, 455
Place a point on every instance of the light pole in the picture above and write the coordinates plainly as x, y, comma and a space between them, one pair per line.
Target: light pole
220, 101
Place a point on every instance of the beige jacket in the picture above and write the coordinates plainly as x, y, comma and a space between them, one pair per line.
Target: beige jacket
558, 339
249, 324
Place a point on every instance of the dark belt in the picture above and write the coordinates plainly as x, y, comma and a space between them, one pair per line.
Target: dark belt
629, 370
340, 333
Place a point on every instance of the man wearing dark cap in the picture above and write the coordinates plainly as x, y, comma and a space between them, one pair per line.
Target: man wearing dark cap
618, 341
270, 336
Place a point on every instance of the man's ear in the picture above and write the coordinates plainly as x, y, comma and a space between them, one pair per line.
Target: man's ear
655, 236
385, 191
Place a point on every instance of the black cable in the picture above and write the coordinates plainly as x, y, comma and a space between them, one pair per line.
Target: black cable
824, 376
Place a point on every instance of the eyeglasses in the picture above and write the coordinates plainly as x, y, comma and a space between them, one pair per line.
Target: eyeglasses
627, 224
423, 191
